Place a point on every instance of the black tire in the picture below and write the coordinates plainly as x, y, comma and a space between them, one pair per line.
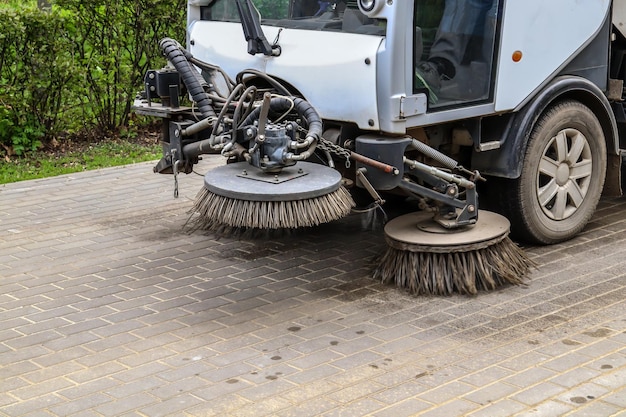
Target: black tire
563, 173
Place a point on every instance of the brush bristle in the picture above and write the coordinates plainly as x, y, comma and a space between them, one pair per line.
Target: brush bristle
461, 272
217, 213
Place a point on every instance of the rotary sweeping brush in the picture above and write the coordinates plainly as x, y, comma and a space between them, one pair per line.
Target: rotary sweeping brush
425, 258
235, 196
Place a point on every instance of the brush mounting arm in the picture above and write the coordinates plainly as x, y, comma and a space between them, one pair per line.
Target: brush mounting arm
436, 172
444, 189
467, 210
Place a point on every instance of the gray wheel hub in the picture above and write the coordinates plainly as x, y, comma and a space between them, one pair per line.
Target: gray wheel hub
564, 174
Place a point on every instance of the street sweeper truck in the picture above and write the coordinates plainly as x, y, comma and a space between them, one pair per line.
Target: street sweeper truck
315, 104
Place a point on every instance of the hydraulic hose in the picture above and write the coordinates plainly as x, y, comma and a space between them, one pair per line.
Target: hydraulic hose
174, 54
254, 73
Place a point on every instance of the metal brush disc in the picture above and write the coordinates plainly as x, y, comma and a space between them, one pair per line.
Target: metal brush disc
242, 181
418, 232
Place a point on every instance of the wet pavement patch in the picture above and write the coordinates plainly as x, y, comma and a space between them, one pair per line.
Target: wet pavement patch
599, 333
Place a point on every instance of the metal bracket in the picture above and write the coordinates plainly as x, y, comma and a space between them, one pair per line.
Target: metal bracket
413, 105
360, 173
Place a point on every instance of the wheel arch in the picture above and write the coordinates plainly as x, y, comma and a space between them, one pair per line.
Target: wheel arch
506, 161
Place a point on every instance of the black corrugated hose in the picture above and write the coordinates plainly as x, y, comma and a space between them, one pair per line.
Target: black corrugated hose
175, 54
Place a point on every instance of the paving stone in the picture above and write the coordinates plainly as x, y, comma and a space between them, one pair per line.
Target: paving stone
130, 403
171, 407
410, 407
501, 408
548, 408
597, 408
446, 392
356, 392
617, 398
486, 376
457, 407
537, 394
357, 408
310, 408
491, 393
126, 389
274, 386
574, 376
38, 390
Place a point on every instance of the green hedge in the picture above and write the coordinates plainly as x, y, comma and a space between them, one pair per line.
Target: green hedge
114, 44
78, 66
35, 69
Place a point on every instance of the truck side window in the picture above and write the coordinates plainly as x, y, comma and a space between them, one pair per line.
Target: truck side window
454, 64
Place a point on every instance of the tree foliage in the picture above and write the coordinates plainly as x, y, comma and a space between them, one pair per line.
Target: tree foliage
77, 66
115, 43
35, 70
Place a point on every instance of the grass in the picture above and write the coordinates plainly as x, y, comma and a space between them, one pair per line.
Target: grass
44, 164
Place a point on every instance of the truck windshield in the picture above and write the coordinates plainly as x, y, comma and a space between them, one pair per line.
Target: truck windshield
339, 15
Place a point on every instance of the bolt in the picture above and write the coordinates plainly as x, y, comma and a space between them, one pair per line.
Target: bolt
300, 171
276, 178
471, 208
244, 172
151, 76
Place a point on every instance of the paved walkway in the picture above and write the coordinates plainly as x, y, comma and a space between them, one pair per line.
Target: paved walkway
108, 309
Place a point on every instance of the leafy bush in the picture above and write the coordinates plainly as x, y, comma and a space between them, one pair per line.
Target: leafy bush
115, 43
78, 66
36, 67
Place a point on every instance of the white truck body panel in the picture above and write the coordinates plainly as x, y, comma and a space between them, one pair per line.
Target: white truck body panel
548, 33
319, 64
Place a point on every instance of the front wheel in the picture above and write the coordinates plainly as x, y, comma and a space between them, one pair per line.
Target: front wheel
562, 176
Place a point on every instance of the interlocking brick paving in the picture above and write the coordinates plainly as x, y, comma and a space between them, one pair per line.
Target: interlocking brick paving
108, 308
